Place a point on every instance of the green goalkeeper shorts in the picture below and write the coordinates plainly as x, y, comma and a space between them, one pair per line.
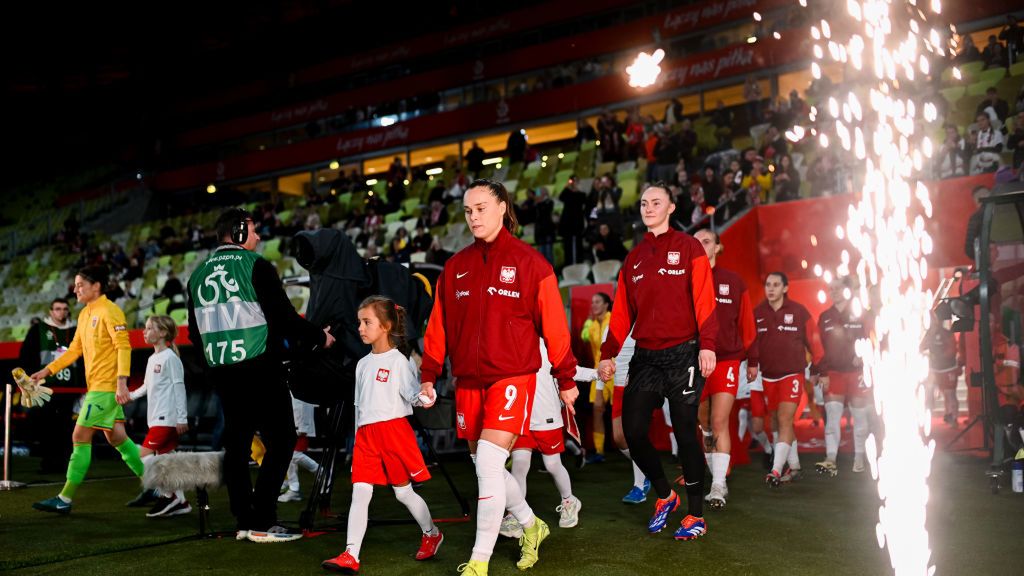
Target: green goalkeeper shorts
100, 410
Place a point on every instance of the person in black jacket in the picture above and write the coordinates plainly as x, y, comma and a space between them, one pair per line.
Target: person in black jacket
241, 320
573, 222
52, 422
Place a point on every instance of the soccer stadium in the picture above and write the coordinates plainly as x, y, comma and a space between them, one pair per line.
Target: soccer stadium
593, 287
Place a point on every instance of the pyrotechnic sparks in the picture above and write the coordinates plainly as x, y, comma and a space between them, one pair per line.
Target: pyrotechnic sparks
645, 69
889, 46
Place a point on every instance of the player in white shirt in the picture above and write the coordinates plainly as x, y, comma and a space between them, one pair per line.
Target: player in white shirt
305, 428
641, 486
166, 410
385, 451
546, 437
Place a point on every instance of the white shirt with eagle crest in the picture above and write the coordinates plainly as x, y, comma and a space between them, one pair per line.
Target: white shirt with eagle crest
387, 384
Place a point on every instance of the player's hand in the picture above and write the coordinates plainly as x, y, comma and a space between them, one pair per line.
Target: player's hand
569, 396
606, 369
823, 380
329, 338
181, 428
751, 373
41, 375
427, 389
707, 362
123, 396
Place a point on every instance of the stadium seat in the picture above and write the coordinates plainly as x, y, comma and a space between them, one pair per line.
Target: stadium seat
970, 70
272, 249
992, 75
19, 332
575, 274
160, 306
1017, 68
604, 168
623, 167
180, 316
605, 271
561, 179
392, 217
588, 145
511, 185
978, 88
631, 174
629, 195
568, 158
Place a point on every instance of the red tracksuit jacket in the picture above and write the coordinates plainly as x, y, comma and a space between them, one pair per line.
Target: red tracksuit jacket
491, 303
664, 295
783, 339
839, 334
735, 315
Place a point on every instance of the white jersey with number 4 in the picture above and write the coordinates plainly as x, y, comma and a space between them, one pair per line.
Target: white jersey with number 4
387, 384
302, 412
546, 413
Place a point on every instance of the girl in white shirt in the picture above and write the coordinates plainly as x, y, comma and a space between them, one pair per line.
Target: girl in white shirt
386, 451
166, 410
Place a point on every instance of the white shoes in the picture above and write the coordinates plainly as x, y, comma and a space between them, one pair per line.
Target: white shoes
510, 527
716, 497
569, 512
290, 496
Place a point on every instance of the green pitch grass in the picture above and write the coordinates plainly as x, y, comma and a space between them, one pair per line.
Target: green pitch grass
815, 526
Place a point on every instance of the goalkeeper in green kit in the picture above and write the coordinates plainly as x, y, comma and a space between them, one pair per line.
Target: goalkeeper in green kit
101, 339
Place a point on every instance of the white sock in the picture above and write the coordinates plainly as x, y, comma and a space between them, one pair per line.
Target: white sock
707, 455
762, 439
179, 495
305, 462
833, 416
292, 476
490, 474
358, 516
553, 463
515, 503
638, 475
417, 507
781, 453
793, 458
520, 467
860, 429
719, 467
744, 422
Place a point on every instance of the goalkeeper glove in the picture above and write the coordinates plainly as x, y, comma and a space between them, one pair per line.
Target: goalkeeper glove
32, 393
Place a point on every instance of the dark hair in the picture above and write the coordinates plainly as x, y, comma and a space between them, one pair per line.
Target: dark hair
59, 301
95, 273
782, 276
229, 219
607, 299
393, 315
664, 186
498, 190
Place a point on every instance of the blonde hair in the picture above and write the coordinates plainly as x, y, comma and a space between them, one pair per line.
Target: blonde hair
169, 327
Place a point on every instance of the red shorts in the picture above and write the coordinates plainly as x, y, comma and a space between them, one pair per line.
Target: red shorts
544, 441
387, 453
757, 404
504, 405
786, 389
724, 379
849, 384
301, 443
161, 439
617, 401
946, 380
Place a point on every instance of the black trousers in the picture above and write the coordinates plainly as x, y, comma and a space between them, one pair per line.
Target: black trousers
255, 399
671, 374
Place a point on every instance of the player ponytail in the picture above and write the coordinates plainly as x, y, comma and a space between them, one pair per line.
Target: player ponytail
498, 190
391, 316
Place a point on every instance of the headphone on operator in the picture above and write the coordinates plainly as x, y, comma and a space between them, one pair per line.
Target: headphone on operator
240, 231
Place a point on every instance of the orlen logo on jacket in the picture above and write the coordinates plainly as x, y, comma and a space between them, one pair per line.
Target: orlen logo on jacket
508, 274
673, 258
502, 292
383, 374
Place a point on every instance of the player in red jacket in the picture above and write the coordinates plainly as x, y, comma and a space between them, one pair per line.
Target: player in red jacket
493, 302
735, 335
666, 298
785, 333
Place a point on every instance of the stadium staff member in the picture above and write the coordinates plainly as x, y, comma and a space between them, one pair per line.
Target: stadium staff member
45, 342
240, 317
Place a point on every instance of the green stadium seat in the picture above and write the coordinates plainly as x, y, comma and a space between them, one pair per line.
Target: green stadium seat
604, 168
392, 217
272, 249
160, 306
190, 257
979, 88
569, 158
18, 333
561, 179
164, 262
628, 175
969, 70
1017, 68
953, 94
180, 316
410, 205
285, 216
629, 194
588, 145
